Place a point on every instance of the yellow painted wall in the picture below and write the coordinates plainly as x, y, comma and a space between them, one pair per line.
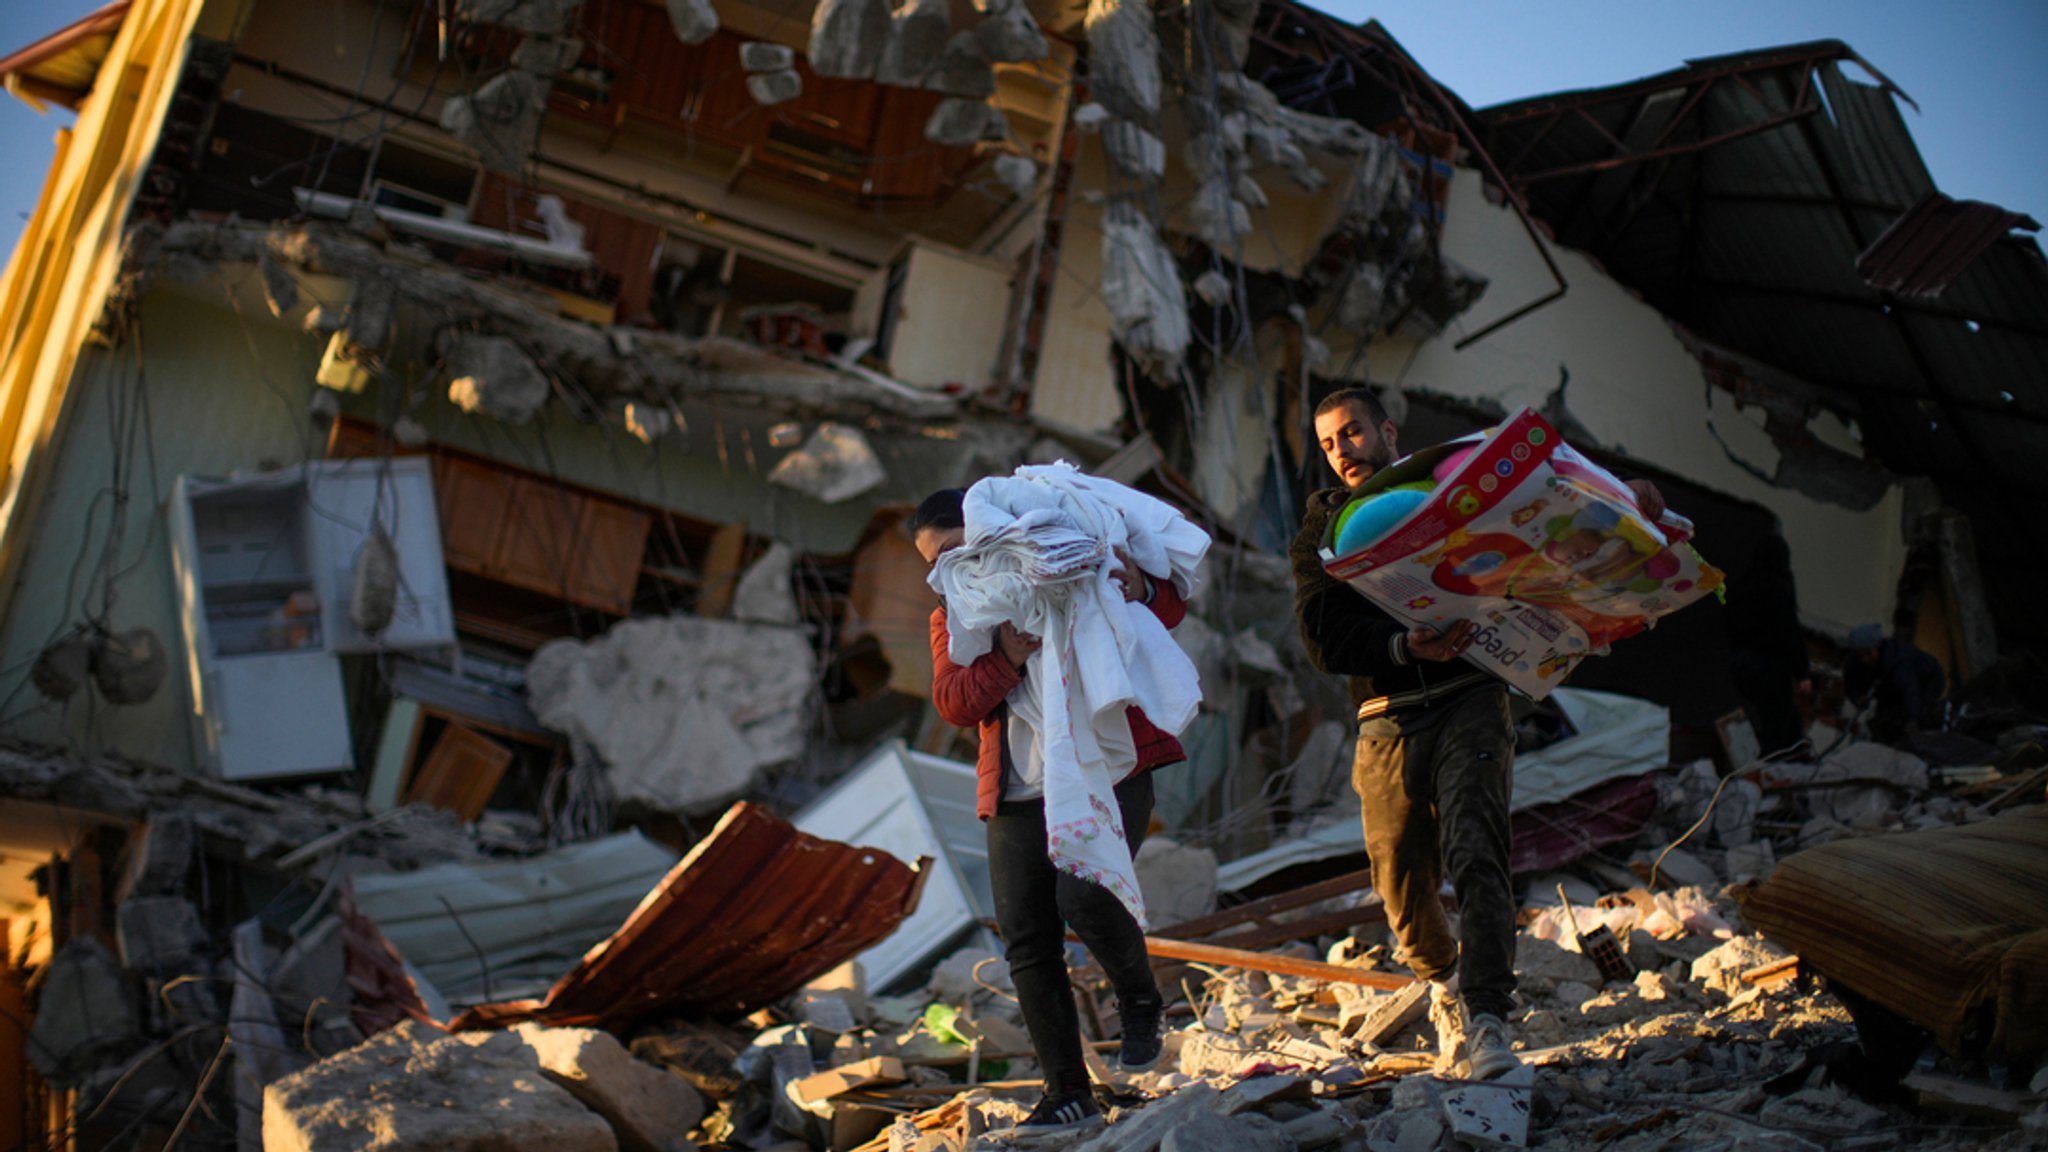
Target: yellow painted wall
57, 282
1640, 392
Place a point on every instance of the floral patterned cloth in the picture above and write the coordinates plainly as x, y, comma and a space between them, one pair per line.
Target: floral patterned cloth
1039, 553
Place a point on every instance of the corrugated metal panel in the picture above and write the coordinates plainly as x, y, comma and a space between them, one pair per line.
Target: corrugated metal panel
913, 805
1753, 243
756, 909
1923, 251
483, 931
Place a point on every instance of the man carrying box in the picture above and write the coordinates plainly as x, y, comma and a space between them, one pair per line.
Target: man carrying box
1434, 765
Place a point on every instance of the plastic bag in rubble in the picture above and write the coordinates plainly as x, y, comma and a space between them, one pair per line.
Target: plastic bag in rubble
373, 600
835, 464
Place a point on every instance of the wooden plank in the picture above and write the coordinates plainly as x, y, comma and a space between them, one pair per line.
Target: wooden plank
722, 569
461, 772
1268, 962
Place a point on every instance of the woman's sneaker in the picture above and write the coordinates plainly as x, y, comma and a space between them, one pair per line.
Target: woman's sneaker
1139, 1017
1064, 1112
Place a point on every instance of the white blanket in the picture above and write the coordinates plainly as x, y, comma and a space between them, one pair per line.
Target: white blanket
1039, 553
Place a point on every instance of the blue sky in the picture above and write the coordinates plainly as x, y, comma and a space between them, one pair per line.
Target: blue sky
1974, 66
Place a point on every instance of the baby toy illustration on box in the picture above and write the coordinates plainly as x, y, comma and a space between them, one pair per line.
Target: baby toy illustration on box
1542, 549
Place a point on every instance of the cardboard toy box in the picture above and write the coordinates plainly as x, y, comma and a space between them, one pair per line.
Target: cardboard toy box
1543, 550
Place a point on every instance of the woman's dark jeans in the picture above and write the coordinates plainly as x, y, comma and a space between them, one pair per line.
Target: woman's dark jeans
1035, 904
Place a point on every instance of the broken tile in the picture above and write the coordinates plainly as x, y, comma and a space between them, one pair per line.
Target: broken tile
1492, 1114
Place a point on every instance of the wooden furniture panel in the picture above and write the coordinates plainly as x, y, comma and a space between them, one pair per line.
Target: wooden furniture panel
475, 502
610, 540
461, 773
541, 536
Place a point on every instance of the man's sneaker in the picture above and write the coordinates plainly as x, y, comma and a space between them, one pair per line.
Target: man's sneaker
1487, 1051
1063, 1112
1447, 1017
1139, 1017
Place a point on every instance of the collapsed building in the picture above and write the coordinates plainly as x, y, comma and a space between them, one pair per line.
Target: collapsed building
507, 410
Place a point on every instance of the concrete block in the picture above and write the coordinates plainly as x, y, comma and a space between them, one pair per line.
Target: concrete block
501, 119
542, 17
775, 87
917, 38
761, 56
159, 859
959, 122
1319, 1129
159, 933
1134, 152
413, 1089
963, 70
1373, 1021
701, 1054
694, 20
648, 1109
1721, 969
848, 36
1146, 1129
1011, 36
85, 1013
1541, 965
492, 376
1258, 1091
1123, 58
1494, 1114
1213, 1133
546, 55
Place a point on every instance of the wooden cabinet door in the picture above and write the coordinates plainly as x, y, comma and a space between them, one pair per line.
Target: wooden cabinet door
474, 502
537, 548
611, 539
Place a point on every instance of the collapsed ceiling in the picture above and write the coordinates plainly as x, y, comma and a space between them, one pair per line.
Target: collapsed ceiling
1738, 193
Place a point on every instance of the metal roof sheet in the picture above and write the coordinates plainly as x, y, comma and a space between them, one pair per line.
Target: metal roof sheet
63, 65
1737, 194
756, 909
1927, 248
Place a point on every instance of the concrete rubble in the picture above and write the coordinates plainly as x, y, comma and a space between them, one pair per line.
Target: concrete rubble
694, 20
414, 1088
834, 465
655, 366
918, 32
848, 37
1715, 1038
1141, 288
